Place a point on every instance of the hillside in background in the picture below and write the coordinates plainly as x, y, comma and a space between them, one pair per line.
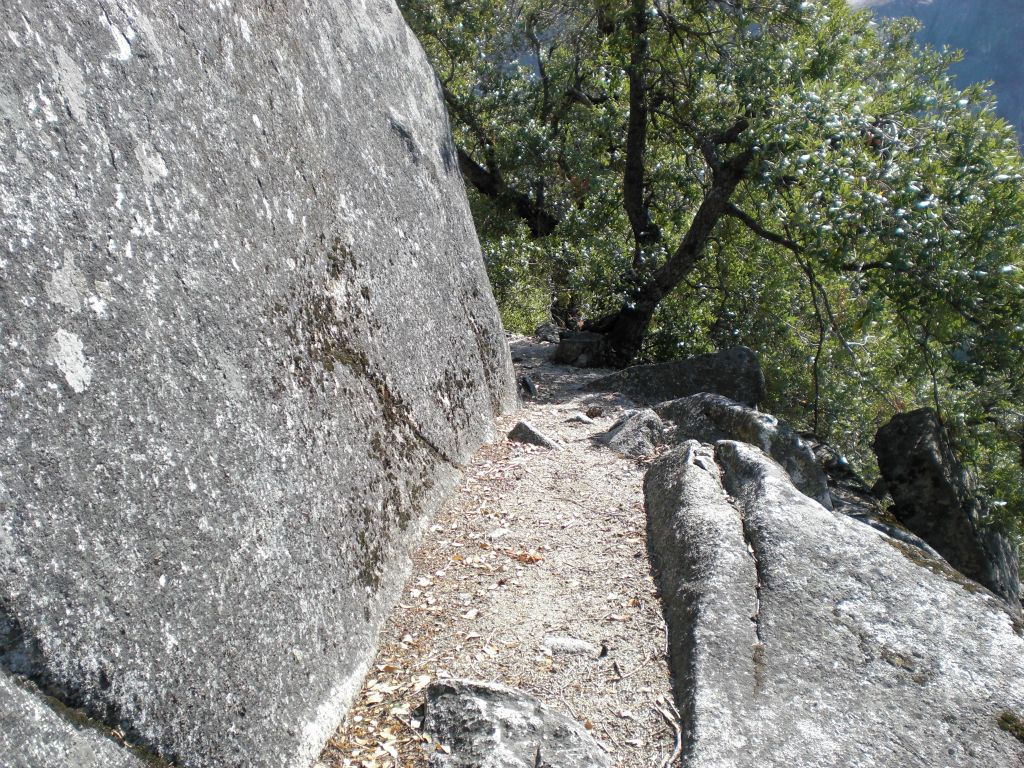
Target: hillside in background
988, 31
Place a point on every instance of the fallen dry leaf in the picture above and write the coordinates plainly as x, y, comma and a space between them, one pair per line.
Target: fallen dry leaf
420, 683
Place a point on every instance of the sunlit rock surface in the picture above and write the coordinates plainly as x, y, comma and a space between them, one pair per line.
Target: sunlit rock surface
246, 340
802, 638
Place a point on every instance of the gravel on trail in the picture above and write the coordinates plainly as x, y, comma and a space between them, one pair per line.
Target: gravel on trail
534, 574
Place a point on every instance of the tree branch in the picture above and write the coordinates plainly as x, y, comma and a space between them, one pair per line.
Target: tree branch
489, 184
760, 231
645, 232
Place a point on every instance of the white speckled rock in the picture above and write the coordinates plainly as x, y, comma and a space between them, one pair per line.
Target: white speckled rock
803, 639
485, 725
34, 736
246, 341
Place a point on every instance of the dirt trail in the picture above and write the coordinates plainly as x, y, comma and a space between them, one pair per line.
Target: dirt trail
534, 544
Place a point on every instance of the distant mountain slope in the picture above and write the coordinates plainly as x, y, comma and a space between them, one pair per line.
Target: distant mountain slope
991, 33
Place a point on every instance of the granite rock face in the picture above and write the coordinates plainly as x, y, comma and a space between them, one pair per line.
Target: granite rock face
935, 497
34, 736
247, 341
800, 637
710, 418
493, 726
734, 373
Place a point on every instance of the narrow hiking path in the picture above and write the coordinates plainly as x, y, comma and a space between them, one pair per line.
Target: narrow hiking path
534, 574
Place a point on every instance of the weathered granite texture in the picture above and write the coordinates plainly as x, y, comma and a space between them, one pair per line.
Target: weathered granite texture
709, 418
936, 497
734, 373
485, 725
247, 339
636, 434
801, 638
34, 736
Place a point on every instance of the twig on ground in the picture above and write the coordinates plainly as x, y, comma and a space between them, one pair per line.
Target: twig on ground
672, 718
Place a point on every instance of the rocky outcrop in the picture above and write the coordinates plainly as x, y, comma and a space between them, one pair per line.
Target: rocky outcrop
851, 496
248, 341
734, 373
635, 434
935, 497
483, 725
802, 638
709, 418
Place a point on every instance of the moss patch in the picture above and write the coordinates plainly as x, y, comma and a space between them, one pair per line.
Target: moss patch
1012, 724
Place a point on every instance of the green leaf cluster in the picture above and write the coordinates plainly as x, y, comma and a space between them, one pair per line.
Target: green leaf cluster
872, 251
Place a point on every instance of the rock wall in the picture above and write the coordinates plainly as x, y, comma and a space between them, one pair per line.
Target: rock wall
247, 340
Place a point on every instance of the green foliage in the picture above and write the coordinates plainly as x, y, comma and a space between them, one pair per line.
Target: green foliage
873, 253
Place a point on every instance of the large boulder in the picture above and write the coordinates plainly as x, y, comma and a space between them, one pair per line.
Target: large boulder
584, 349
248, 341
734, 373
853, 497
936, 497
800, 638
709, 418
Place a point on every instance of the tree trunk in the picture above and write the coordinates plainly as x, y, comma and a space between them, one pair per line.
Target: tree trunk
625, 330
625, 337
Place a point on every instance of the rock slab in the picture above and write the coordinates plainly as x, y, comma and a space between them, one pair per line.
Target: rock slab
492, 726
247, 341
734, 373
935, 497
801, 638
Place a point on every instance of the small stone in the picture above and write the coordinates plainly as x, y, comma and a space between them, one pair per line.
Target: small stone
580, 418
570, 645
525, 432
